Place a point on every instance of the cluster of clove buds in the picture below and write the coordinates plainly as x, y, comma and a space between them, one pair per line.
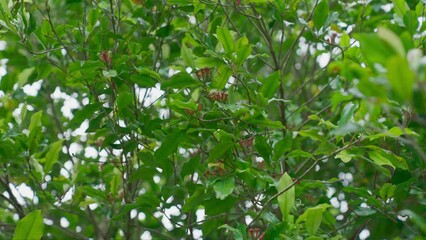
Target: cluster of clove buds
204, 74
106, 57
218, 96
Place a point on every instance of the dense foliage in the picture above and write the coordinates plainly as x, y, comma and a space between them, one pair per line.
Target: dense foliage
189, 119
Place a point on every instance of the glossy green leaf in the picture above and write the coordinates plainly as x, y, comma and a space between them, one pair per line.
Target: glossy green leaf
313, 220
225, 39
187, 56
124, 99
400, 7
299, 153
222, 77
149, 72
321, 14
347, 114
243, 49
203, 62
271, 84
35, 121
30, 227
224, 187
219, 150
394, 132
283, 146
115, 181
168, 146
24, 76
180, 80
85, 113
52, 155
194, 200
387, 191
287, 199
263, 147
411, 21
379, 159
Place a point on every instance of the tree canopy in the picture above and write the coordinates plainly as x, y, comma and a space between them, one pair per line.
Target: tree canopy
212, 119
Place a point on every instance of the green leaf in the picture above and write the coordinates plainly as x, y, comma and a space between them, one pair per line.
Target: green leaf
210, 62
115, 182
271, 84
143, 81
225, 39
85, 113
169, 146
222, 77
313, 217
180, 80
313, 220
34, 138
287, 199
283, 146
411, 22
300, 153
35, 130
219, 150
243, 50
109, 73
224, 187
124, 99
180, 2
187, 56
239, 233
401, 78
321, 14
387, 191
94, 193
149, 72
52, 155
392, 39
194, 200
30, 227
400, 7
394, 132
379, 159
24, 75
35, 121
374, 49
263, 148
345, 156
347, 113
312, 134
